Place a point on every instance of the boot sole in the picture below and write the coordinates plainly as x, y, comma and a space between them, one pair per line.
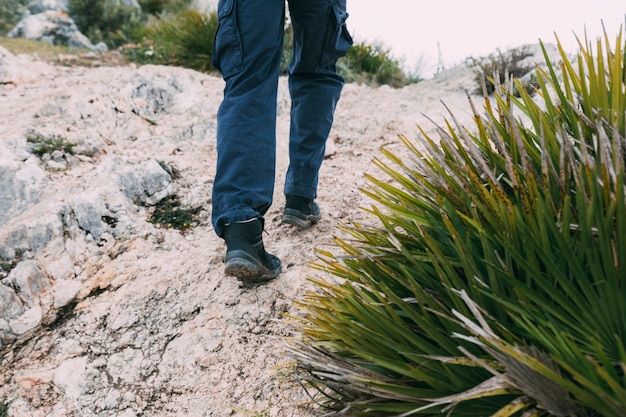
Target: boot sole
242, 266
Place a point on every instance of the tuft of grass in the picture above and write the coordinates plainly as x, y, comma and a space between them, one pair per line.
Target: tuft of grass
169, 213
47, 144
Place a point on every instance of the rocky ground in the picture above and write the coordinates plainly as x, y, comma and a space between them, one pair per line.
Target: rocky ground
104, 313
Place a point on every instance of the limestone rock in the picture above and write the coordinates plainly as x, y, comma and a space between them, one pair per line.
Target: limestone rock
89, 210
147, 184
51, 26
40, 6
29, 320
44, 224
29, 280
21, 186
64, 292
70, 376
12, 306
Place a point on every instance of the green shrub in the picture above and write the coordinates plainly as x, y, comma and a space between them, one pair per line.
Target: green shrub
108, 21
496, 69
492, 281
185, 38
10, 15
373, 65
157, 7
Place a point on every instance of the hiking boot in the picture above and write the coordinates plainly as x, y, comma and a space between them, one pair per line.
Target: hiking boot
301, 212
246, 258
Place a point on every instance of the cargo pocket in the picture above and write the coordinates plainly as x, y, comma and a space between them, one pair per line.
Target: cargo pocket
338, 39
227, 52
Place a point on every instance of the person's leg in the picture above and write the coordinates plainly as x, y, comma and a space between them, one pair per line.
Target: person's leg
320, 39
247, 51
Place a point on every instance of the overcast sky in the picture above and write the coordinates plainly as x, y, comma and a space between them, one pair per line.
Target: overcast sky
420, 32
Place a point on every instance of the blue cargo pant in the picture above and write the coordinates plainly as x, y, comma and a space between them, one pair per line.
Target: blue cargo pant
248, 49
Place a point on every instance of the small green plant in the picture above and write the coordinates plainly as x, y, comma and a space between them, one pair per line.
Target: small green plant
169, 213
43, 144
498, 68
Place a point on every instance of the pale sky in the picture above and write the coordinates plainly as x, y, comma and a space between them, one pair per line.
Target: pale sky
417, 31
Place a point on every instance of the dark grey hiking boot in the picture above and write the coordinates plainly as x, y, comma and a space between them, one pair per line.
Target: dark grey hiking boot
246, 257
301, 212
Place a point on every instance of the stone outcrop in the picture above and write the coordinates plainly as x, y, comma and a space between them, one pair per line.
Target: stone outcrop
41, 6
54, 27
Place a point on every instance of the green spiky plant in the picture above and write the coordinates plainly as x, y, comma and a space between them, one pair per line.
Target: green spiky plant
492, 283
